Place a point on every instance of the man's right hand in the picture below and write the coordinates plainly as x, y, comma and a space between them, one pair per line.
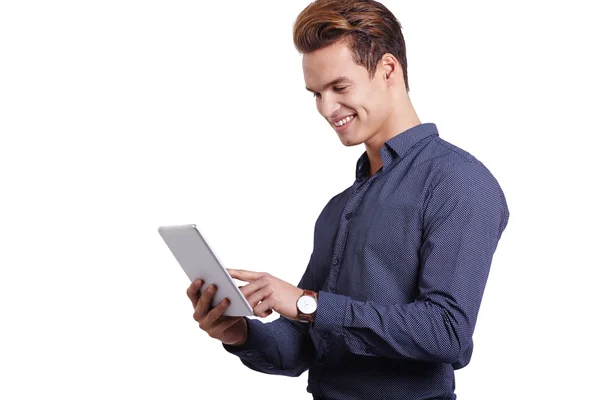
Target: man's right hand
229, 330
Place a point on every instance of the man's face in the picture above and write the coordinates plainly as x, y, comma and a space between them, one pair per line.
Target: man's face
355, 106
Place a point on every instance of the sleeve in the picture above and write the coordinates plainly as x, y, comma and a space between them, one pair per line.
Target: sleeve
283, 346
279, 347
463, 218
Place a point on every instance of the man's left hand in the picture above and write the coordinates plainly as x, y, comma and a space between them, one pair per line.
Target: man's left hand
264, 292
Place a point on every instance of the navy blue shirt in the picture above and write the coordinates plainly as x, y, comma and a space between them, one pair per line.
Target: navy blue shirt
400, 261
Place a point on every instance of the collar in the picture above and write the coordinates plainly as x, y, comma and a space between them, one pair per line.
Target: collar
397, 147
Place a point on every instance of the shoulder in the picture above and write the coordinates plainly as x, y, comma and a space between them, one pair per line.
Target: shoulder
452, 165
462, 182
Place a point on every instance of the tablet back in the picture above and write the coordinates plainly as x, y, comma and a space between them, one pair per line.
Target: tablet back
192, 252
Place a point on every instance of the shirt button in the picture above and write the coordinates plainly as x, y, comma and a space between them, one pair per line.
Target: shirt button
349, 216
336, 261
249, 354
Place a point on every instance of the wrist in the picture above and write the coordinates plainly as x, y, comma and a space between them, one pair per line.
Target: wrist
307, 306
242, 341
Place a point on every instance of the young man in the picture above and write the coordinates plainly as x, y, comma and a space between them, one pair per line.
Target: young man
387, 305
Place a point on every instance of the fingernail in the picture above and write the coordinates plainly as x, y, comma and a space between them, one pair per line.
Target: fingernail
225, 303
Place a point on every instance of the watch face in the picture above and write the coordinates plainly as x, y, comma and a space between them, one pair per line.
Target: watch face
307, 304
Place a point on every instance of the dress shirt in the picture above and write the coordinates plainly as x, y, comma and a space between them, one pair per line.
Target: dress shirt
400, 261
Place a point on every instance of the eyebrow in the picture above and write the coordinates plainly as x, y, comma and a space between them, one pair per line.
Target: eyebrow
336, 81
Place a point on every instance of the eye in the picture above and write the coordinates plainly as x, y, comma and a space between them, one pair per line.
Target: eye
340, 89
317, 95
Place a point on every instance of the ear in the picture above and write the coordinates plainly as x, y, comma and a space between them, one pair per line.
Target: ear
391, 68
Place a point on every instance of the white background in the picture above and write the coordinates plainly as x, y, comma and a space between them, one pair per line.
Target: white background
120, 116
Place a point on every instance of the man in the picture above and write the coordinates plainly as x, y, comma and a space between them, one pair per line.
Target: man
387, 305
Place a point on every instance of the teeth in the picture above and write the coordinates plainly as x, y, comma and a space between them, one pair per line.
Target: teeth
344, 121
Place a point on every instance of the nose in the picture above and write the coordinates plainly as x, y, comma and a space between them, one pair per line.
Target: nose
328, 106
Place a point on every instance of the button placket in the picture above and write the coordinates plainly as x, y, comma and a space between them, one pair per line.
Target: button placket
344, 228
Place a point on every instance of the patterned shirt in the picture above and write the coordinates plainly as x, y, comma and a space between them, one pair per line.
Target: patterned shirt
400, 262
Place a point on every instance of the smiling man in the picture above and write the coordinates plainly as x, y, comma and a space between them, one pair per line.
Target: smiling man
387, 306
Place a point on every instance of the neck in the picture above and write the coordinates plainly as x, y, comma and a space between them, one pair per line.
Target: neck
401, 118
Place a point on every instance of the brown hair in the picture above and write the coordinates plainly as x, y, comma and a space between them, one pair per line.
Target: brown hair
369, 27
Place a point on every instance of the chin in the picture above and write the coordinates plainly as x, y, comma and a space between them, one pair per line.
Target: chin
350, 141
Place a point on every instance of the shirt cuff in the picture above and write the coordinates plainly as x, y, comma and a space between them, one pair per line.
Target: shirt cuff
331, 311
255, 343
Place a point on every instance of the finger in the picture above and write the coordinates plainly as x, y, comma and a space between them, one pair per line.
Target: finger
259, 296
205, 301
214, 314
264, 308
223, 323
267, 313
243, 275
263, 314
193, 292
253, 287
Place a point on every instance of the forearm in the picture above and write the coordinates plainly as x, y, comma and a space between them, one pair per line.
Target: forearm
437, 326
280, 347
427, 330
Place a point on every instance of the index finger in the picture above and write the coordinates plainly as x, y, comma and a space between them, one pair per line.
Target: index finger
243, 275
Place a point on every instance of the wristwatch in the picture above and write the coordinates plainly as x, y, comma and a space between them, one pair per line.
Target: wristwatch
307, 306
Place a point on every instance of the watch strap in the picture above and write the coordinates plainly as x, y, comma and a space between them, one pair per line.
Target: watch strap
308, 317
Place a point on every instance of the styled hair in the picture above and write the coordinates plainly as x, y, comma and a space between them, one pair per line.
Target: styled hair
368, 27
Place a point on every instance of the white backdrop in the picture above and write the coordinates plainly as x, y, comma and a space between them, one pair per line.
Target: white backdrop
120, 116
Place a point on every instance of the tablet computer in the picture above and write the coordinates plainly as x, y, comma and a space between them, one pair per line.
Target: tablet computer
192, 252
